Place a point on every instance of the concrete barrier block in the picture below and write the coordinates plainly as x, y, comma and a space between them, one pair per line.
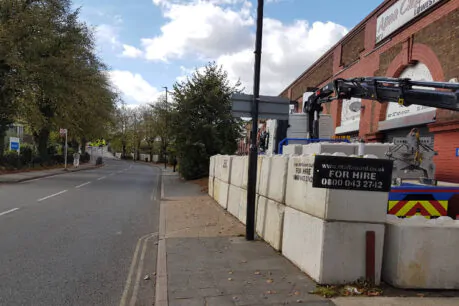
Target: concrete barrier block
223, 194
245, 177
278, 178
237, 170
293, 149
265, 176
211, 187
216, 191
234, 199
329, 252
421, 253
223, 168
212, 165
243, 206
330, 147
330, 204
378, 149
270, 220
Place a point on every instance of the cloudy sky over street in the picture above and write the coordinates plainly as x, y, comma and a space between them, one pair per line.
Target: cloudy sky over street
149, 44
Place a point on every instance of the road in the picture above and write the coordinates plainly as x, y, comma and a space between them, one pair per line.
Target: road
83, 238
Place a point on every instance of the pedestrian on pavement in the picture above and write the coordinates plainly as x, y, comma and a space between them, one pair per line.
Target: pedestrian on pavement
175, 163
76, 159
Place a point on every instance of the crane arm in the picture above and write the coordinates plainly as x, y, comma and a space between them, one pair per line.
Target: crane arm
403, 91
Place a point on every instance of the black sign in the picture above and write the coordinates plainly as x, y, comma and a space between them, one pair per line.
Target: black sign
337, 172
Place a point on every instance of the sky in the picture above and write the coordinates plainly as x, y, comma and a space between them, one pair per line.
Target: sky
151, 44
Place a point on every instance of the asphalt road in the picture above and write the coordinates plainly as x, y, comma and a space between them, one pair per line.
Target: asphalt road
83, 238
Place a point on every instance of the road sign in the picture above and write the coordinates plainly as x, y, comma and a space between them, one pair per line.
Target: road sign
269, 107
457, 152
14, 144
62, 132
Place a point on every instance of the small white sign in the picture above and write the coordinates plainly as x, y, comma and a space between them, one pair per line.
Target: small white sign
306, 96
419, 72
399, 14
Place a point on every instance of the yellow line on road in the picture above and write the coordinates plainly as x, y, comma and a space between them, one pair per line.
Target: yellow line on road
132, 268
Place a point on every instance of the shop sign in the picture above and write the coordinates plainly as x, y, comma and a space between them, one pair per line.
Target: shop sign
419, 72
399, 14
350, 117
337, 172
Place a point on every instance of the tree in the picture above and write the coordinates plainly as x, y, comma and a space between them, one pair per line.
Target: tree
163, 124
203, 123
57, 79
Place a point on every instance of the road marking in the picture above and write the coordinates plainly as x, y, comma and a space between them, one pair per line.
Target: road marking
8, 211
132, 267
84, 184
161, 298
53, 195
139, 273
101, 178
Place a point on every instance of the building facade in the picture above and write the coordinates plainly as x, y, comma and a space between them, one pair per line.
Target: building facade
417, 39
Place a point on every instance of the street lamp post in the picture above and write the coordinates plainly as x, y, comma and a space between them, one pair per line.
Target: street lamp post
253, 155
165, 140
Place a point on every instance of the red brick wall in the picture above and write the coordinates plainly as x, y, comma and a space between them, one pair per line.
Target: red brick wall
446, 142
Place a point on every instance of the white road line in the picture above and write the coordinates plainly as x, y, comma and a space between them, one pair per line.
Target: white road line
50, 196
8, 211
101, 178
84, 184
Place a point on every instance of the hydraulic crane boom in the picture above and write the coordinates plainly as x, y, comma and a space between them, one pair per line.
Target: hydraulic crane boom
381, 90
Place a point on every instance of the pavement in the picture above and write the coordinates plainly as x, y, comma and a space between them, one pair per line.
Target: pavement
81, 238
30, 175
209, 261
204, 259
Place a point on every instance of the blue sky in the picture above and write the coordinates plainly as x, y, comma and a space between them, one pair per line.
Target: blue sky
149, 44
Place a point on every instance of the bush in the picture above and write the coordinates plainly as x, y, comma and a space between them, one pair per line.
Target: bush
195, 164
27, 154
11, 160
85, 157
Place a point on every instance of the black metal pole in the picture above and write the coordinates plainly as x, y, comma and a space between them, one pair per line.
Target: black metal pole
253, 155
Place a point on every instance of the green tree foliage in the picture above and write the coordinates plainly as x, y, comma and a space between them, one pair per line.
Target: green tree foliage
49, 65
202, 121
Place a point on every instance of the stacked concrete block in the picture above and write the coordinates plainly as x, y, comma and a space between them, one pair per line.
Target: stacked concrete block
270, 221
211, 175
329, 252
378, 149
324, 229
292, 149
270, 209
421, 253
331, 204
330, 147
222, 179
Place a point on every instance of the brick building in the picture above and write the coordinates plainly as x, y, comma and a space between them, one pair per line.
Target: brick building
418, 39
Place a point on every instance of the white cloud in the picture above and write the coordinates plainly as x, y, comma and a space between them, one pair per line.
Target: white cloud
106, 34
287, 51
135, 89
132, 52
200, 27
223, 30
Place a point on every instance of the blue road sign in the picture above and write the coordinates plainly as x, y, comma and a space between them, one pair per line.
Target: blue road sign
457, 152
15, 146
